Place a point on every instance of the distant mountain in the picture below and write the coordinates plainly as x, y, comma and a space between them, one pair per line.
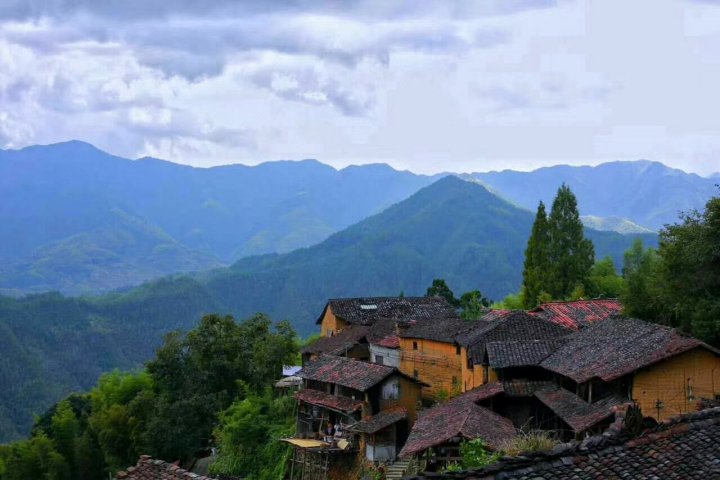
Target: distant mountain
453, 229
65, 209
647, 193
613, 224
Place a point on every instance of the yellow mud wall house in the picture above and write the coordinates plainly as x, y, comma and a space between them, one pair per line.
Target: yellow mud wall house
676, 385
429, 353
330, 324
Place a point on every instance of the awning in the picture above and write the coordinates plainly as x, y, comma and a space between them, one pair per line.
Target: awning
305, 442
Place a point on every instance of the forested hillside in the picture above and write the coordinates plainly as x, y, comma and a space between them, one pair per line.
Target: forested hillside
648, 193
78, 220
452, 229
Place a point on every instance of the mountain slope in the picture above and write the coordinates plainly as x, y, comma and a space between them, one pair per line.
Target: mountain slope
64, 196
647, 193
452, 229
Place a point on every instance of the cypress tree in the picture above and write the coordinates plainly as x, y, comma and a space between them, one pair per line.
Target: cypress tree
570, 255
535, 270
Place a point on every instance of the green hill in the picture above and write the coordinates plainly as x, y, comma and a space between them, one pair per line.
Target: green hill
452, 229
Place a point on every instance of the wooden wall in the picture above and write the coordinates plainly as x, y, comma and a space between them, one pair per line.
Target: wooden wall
330, 323
409, 397
436, 363
668, 382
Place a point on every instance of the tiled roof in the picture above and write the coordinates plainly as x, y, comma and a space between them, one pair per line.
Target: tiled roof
339, 343
496, 315
366, 311
525, 388
334, 402
440, 329
578, 314
149, 469
381, 420
686, 449
520, 353
458, 417
383, 333
515, 326
616, 347
574, 411
347, 372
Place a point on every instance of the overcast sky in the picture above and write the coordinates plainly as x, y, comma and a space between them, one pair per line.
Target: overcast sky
422, 85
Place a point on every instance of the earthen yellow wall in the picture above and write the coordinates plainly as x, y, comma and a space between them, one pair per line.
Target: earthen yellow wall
331, 323
471, 377
668, 382
436, 362
409, 397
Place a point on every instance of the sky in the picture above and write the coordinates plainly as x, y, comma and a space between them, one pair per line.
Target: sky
423, 85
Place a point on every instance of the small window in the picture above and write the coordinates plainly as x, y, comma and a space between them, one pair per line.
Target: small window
330, 333
457, 350
455, 382
414, 345
379, 359
416, 374
391, 390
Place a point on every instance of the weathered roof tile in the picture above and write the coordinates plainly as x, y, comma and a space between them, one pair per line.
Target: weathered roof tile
366, 311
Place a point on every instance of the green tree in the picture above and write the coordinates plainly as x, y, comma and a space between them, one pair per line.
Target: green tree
473, 304
536, 267
604, 280
440, 289
643, 296
65, 431
570, 254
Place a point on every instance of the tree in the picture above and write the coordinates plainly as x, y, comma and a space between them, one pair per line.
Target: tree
536, 266
570, 254
604, 280
440, 289
65, 431
473, 304
642, 297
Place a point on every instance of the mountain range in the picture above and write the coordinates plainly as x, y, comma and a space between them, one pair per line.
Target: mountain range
453, 229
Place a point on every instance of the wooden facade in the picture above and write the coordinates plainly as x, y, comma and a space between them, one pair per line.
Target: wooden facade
674, 386
437, 364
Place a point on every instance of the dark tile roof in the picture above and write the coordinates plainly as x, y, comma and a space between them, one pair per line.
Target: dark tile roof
576, 412
616, 347
515, 326
149, 469
366, 311
687, 448
441, 329
381, 420
525, 388
458, 417
578, 314
496, 315
334, 402
520, 353
339, 343
347, 372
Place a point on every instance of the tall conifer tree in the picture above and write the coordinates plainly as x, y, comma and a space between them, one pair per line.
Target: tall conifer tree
536, 259
570, 254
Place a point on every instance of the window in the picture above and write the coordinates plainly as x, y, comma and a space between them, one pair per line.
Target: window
414, 345
379, 359
416, 374
457, 350
330, 333
391, 390
455, 382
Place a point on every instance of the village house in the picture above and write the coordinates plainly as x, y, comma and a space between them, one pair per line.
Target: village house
342, 312
684, 448
370, 408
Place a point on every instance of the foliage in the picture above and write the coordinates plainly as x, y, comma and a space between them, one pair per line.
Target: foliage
604, 281
168, 410
473, 304
558, 258
643, 295
475, 454
513, 301
439, 288
532, 441
248, 435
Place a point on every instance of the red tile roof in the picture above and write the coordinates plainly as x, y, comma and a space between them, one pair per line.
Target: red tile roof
579, 313
459, 417
334, 402
347, 372
616, 347
149, 469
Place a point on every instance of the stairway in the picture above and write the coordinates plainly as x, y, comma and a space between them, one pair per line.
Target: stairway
396, 470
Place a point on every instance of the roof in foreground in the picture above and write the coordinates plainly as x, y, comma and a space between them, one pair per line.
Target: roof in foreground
616, 347
459, 417
333, 402
367, 310
149, 469
339, 343
347, 372
381, 420
686, 448
579, 313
